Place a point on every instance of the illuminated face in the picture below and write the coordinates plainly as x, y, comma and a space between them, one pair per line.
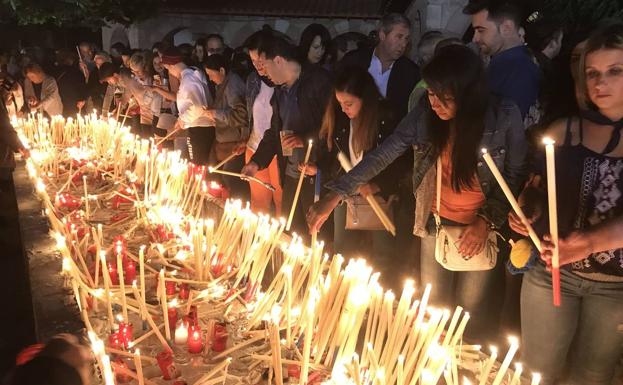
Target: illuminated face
444, 108
486, 33
85, 52
350, 104
316, 50
99, 60
604, 78
199, 52
157, 63
395, 43
217, 77
274, 69
257, 62
35, 77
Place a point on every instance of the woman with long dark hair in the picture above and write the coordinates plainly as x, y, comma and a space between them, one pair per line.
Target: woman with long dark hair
315, 40
450, 126
356, 121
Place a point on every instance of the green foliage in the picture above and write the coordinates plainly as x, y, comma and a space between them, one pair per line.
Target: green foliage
79, 13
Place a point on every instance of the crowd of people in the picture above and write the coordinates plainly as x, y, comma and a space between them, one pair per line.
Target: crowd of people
413, 133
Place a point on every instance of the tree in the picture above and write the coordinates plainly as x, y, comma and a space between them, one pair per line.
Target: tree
78, 13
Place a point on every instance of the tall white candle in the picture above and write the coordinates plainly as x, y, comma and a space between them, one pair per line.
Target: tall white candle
507, 361
553, 216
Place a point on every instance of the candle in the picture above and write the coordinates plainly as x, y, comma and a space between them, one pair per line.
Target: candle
172, 315
141, 259
129, 271
124, 305
484, 375
553, 216
507, 361
536, 379
511, 198
516, 380
86, 196
309, 330
113, 273
195, 341
170, 287
167, 367
163, 302
298, 188
181, 333
139, 367
106, 279
219, 338
184, 291
125, 333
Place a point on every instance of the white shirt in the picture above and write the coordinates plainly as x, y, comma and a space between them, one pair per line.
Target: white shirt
262, 113
380, 78
192, 96
354, 160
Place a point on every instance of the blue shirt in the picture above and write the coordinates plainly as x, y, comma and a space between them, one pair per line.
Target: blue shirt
513, 74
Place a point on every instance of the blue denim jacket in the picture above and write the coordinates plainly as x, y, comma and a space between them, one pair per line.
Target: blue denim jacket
504, 138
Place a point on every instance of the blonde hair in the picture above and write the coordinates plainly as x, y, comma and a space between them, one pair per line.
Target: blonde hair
609, 36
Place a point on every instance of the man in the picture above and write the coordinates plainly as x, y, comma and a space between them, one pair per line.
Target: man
216, 44
298, 106
512, 72
192, 97
259, 92
394, 74
41, 91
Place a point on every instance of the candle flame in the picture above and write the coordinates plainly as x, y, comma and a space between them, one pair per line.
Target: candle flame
548, 141
484, 150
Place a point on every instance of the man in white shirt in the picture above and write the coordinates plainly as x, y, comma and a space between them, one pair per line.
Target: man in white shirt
192, 97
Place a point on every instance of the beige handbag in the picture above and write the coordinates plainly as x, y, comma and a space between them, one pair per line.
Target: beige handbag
361, 216
446, 247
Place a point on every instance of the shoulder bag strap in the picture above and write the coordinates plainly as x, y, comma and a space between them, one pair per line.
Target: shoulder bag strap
438, 192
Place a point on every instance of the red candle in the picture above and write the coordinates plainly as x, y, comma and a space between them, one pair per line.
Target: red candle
184, 291
122, 378
129, 268
112, 271
219, 339
294, 371
125, 333
195, 341
172, 314
115, 340
167, 367
170, 288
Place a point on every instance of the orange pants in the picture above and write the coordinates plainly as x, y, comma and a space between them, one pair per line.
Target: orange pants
261, 197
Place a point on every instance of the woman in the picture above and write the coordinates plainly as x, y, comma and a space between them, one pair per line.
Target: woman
589, 161
356, 121
229, 113
148, 100
458, 108
313, 45
41, 91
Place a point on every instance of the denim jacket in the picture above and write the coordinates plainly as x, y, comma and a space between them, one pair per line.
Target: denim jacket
503, 136
253, 86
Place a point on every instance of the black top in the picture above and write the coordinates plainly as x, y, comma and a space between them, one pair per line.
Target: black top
589, 191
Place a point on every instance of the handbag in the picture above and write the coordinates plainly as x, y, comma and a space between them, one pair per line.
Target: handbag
446, 247
361, 216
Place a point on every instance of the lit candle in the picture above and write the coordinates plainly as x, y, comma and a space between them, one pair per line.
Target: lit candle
507, 361
553, 216
107, 288
86, 196
163, 301
484, 375
139, 367
181, 333
536, 379
195, 341
511, 198
141, 259
516, 380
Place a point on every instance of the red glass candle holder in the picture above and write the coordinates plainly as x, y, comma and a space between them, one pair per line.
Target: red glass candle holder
167, 367
170, 288
184, 291
114, 274
115, 340
219, 338
129, 268
195, 340
126, 332
172, 314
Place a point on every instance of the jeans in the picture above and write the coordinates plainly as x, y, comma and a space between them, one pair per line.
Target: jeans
469, 289
582, 332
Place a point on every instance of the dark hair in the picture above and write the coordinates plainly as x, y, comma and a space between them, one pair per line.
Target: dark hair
307, 37
430, 37
456, 71
388, 21
107, 70
355, 81
448, 42
258, 38
217, 61
278, 46
215, 36
541, 30
498, 10
33, 67
120, 47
